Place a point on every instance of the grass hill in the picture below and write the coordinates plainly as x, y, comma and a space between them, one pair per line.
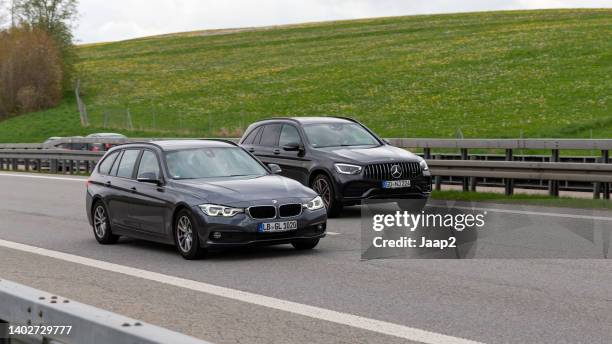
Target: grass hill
492, 74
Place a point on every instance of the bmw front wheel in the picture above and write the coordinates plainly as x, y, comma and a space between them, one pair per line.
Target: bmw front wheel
186, 237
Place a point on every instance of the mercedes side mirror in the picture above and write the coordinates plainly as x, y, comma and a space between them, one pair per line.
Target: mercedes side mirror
275, 169
292, 147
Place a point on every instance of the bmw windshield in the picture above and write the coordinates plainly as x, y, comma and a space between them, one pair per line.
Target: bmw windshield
339, 135
212, 163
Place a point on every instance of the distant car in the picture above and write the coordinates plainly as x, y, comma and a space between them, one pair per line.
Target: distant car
197, 195
341, 159
104, 146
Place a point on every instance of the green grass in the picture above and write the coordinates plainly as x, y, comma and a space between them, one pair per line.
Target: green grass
495, 74
542, 200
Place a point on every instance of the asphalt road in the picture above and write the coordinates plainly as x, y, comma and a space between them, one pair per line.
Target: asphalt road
483, 300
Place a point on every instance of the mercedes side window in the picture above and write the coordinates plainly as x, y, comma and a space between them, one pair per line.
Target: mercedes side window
127, 163
270, 135
253, 135
149, 166
289, 134
106, 164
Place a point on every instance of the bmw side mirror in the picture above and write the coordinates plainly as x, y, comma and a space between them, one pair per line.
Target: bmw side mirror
149, 177
275, 169
292, 147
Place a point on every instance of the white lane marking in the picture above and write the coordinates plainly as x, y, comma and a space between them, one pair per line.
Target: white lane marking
333, 233
73, 179
537, 213
356, 321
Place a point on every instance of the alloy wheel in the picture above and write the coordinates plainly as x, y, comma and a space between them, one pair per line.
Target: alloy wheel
184, 233
322, 187
100, 221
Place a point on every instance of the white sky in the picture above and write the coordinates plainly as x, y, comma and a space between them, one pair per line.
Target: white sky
110, 20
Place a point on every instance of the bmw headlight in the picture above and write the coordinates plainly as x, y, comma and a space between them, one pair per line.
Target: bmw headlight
314, 204
220, 210
424, 166
347, 168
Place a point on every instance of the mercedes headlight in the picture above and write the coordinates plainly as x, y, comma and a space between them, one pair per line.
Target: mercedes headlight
220, 210
314, 204
424, 166
347, 168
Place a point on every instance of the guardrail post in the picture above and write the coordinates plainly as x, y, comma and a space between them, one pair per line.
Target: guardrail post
53, 165
605, 158
427, 153
26, 164
509, 183
473, 180
15, 164
437, 179
71, 162
553, 185
464, 156
39, 165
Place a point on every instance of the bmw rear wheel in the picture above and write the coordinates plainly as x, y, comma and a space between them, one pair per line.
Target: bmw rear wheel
186, 237
101, 225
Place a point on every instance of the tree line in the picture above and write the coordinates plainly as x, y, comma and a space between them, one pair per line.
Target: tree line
37, 53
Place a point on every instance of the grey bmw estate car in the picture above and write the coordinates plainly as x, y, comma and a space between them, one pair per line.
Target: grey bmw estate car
197, 195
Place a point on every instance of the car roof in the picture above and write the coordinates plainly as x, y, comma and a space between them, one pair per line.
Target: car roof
105, 135
170, 145
311, 119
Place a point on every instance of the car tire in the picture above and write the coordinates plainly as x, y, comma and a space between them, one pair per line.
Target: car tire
101, 225
324, 187
186, 236
306, 244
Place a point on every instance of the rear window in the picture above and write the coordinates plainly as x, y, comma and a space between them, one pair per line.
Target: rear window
107, 163
250, 139
128, 160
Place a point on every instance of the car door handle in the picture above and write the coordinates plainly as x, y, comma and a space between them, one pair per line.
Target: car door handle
276, 151
133, 189
251, 150
108, 183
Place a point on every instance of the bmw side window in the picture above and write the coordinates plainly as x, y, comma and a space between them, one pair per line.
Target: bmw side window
148, 167
106, 164
127, 163
270, 135
289, 134
116, 164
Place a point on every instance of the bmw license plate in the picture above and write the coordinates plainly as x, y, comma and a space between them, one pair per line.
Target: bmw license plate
395, 184
284, 226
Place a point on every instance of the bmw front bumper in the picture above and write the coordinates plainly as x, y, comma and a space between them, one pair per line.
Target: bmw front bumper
242, 230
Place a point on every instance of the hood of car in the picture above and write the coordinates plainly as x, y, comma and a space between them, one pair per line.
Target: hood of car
246, 191
365, 155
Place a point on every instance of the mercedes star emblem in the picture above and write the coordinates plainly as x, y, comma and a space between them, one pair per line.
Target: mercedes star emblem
396, 171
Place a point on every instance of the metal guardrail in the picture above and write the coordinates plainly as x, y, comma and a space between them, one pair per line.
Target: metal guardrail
472, 170
24, 306
578, 144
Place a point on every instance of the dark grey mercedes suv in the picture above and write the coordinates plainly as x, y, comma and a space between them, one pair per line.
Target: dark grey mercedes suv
341, 159
199, 194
